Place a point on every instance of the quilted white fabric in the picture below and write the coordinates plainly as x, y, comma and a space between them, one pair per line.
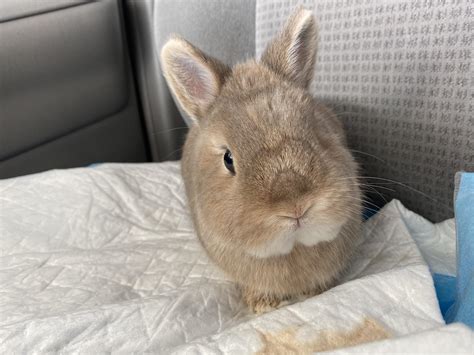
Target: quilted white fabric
105, 259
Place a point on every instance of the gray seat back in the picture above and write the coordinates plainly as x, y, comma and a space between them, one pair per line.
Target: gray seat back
67, 97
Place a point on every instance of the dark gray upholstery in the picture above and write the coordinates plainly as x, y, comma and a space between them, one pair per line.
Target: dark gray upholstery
67, 97
17, 9
114, 139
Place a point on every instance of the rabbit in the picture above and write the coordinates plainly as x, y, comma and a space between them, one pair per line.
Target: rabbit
271, 184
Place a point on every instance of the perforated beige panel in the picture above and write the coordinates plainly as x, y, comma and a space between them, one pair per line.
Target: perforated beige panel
400, 74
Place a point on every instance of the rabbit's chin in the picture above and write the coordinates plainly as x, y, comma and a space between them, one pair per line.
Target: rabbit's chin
309, 235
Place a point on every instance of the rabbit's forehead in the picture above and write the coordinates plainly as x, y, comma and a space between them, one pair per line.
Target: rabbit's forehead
264, 118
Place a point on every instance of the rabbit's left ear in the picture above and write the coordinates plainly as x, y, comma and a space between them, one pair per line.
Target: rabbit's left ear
194, 77
292, 53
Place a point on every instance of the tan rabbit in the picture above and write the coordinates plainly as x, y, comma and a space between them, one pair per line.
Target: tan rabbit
271, 184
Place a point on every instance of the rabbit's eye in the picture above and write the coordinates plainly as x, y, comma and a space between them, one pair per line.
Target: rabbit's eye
229, 162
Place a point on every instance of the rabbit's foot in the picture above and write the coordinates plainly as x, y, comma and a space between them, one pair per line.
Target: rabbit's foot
259, 303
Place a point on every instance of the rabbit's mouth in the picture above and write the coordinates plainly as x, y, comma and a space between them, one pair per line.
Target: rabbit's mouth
306, 233
294, 223
317, 233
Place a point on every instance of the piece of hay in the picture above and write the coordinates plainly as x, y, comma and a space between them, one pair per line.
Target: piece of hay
286, 342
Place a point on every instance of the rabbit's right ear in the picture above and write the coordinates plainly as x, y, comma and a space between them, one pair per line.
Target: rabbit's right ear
292, 54
195, 78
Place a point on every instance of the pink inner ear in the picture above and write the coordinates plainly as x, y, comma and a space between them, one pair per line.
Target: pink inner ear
195, 78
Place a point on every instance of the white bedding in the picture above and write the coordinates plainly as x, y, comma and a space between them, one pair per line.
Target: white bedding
105, 259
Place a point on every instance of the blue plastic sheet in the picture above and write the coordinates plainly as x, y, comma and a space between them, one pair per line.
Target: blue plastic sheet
463, 308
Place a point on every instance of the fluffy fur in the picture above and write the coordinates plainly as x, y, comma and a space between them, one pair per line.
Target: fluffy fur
286, 223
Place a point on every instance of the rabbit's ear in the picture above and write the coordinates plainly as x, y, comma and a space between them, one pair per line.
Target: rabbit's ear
194, 77
292, 53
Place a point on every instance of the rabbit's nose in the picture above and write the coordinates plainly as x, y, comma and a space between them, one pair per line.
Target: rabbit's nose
289, 187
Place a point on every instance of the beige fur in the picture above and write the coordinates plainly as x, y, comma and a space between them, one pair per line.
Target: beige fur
290, 156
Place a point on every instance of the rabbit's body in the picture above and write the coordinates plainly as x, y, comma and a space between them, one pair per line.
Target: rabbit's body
271, 184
